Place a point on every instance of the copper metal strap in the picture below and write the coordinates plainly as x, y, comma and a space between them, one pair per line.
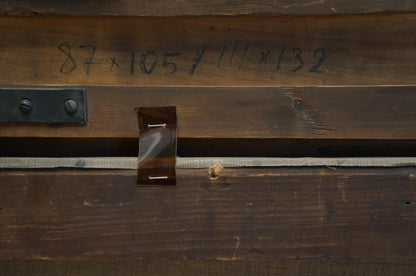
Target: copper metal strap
157, 145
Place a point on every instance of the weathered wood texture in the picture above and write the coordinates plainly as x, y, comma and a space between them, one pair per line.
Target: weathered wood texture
207, 51
365, 215
200, 267
324, 113
201, 7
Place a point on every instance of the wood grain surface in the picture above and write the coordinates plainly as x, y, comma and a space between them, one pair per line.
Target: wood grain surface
201, 7
240, 77
246, 112
200, 267
209, 51
365, 215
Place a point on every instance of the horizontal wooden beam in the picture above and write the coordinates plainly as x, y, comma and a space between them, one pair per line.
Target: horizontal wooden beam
201, 7
198, 267
362, 215
209, 51
246, 112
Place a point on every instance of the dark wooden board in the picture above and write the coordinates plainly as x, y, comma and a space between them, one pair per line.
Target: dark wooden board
308, 113
209, 51
325, 214
201, 7
199, 267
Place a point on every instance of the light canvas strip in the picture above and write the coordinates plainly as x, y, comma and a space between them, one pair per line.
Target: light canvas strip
130, 163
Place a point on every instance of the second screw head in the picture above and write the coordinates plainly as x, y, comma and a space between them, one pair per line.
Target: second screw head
70, 107
25, 105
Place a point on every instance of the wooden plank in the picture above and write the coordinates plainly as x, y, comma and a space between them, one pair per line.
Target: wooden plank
199, 267
209, 51
365, 215
320, 112
201, 7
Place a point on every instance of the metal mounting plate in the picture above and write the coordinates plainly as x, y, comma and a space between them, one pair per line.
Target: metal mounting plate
45, 106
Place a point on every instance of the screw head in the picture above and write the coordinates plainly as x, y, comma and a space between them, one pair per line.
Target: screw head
25, 105
70, 107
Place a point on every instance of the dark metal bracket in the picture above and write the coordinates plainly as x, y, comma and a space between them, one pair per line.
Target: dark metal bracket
157, 145
49, 105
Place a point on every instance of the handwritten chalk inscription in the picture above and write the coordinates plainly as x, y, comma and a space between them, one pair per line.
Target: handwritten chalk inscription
237, 55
